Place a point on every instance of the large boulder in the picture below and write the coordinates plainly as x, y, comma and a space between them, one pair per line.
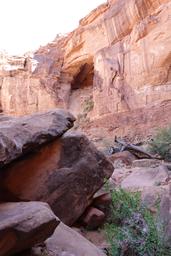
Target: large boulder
22, 225
65, 173
21, 135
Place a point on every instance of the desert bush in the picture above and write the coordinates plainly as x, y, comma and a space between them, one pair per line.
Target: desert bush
132, 230
161, 143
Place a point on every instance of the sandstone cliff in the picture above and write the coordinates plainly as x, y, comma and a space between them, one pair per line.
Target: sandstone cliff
114, 71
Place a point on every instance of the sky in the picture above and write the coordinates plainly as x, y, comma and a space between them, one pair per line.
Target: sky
27, 24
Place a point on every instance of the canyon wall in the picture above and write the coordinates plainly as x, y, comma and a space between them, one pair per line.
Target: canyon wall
113, 71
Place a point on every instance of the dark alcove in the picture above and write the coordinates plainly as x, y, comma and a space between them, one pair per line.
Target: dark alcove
84, 78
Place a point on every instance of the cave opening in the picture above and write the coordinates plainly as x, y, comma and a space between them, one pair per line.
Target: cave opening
84, 78
82, 89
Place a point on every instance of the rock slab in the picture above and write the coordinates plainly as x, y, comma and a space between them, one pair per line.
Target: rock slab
145, 177
22, 225
21, 135
67, 242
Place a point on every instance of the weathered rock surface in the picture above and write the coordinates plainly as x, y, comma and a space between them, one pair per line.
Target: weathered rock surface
152, 195
120, 53
119, 175
21, 135
97, 237
65, 173
66, 241
22, 225
145, 177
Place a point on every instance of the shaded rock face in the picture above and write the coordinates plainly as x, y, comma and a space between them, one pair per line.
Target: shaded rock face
65, 173
22, 225
121, 52
93, 218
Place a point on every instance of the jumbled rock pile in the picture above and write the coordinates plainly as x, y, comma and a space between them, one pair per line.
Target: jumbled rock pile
43, 164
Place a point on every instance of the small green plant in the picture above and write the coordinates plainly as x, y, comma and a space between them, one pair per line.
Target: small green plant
132, 230
161, 143
88, 105
81, 117
44, 253
81, 120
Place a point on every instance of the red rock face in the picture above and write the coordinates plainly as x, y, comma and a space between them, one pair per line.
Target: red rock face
119, 56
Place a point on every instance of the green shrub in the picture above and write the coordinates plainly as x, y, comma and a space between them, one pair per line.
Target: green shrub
131, 229
161, 143
123, 204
